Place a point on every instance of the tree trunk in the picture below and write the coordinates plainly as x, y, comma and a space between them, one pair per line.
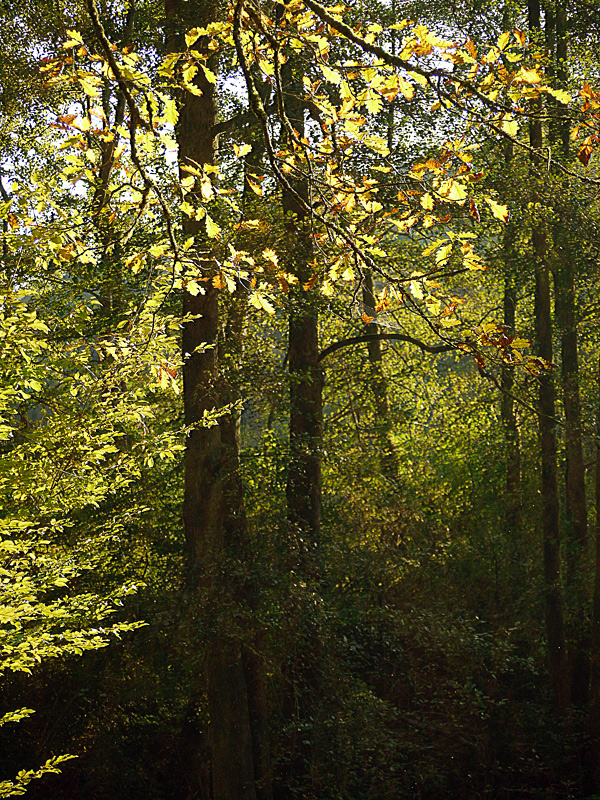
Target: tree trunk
554, 603
379, 384
593, 727
575, 492
507, 405
303, 490
213, 513
511, 432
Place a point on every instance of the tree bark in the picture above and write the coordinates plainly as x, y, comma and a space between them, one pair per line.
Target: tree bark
213, 513
508, 415
554, 602
303, 490
514, 498
564, 291
379, 384
593, 726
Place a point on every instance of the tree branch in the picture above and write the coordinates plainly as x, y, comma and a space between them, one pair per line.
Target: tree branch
398, 337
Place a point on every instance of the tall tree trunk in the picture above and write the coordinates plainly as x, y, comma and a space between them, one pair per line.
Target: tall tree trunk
554, 602
507, 405
110, 269
379, 384
303, 490
213, 514
593, 727
575, 492
303, 694
511, 431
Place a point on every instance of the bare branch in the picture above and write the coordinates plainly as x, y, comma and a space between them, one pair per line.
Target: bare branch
398, 337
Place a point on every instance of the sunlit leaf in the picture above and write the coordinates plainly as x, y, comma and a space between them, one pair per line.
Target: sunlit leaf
498, 210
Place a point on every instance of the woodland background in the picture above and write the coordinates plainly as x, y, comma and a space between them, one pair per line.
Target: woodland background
300, 400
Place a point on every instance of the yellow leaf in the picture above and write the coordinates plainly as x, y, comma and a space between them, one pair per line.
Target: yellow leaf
442, 255
350, 203
311, 282
206, 188
346, 91
75, 39
194, 288
503, 40
250, 225
406, 88
372, 101
348, 274
168, 142
510, 126
242, 150
377, 143
187, 208
209, 74
158, 250
260, 301
188, 72
559, 94
212, 229
491, 55
416, 290
331, 75
453, 191
190, 169
420, 79
256, 187
82, 123
499, 211
90, 86
270, 255
527, 76
427, 202
171, 114
289, 278
194, 35
187, 183
193, 89
135, 262
327, 289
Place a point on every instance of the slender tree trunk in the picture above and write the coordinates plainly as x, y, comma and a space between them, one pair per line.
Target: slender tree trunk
511, 431
111, 289
564, 293
594, 712
507, 406
575, 490
575, 476
379, 384
554, 603
213, 514
303, 490
237, 538
303, 693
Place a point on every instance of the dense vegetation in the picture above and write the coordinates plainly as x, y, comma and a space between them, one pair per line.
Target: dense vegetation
300, 400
